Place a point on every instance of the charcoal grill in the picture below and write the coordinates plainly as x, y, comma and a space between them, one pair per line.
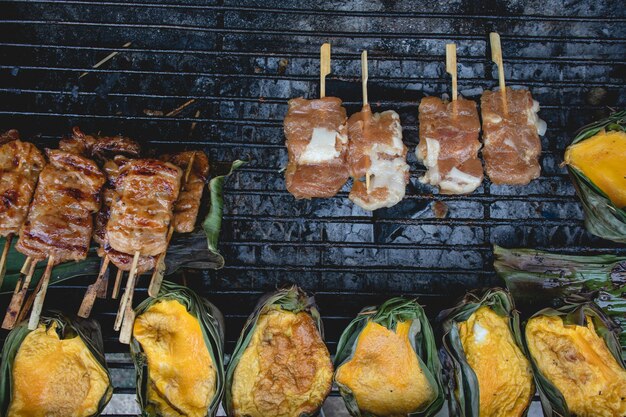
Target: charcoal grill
241, 60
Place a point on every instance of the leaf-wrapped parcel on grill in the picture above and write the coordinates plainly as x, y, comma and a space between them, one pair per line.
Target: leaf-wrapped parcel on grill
281, 366
595, 161
56, 370
489, 373
576, 358
387, 362
177, 347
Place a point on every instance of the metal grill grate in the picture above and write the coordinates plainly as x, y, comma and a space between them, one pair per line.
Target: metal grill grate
241, 60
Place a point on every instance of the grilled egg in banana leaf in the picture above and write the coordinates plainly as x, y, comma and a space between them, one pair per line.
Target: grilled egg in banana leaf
177, 347
490, 375
387, 362
56, 370
595, 161
281, 366
577, 362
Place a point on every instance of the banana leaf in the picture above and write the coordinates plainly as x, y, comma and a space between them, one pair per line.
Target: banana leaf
290, 299
194, 250
538, 279
422, 339
574, 312
602, 217
212, 326
66, 328
463, 388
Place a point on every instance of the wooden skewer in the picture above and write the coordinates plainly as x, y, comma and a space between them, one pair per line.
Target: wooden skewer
104, 286
324, 67
364, 78
496, 57
451, 68
90, 295
118, 282
159, 269
41, 295
23, 273
17, 300
129, 314
130, 284
29, 303
4, 256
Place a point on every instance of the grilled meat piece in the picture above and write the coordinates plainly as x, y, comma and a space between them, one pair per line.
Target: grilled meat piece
511, 136
20, 165
142, 212
9, 136
188, 204
449, 145
99, 148
376, 149
317, 144
60, 221
121, 260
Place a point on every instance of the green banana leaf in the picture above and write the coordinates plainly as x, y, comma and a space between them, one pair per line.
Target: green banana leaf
463, 389
602, 217
538, 279
290, 299
67, 328
574, 312
422, 339
212, 325
194, 250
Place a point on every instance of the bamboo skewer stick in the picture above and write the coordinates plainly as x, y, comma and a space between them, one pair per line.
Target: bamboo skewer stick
451, 68
496, 57
364, 78
324, 67
29, 303
41, 295
128, 314
127, 291
19, 293
90, 295
118, 282
104, 284
23, 272
4, 256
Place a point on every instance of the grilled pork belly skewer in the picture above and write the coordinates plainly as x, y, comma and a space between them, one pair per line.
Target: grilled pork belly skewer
139, 220
449, 145
59, 223
511, 130
376, 155
110, 151
20, 165
317, 142
196, 167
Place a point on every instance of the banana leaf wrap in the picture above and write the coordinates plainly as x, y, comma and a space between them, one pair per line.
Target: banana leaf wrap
290, 299
574, 312
193, 250
66, 328
212, 325
602, 217
462, 383
421, 337
538, 279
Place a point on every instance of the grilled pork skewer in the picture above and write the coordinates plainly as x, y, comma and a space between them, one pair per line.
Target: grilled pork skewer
59, 223
376, 155
317, 142
20, 165
511, 130
449, 145
196, 167
140, 218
